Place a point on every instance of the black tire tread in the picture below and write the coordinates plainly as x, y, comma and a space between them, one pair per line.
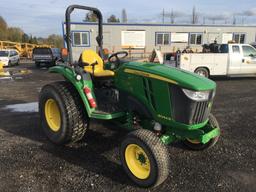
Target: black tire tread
213, 121
159, 150
74, 111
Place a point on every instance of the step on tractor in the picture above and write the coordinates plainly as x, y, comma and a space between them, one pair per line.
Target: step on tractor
157, 104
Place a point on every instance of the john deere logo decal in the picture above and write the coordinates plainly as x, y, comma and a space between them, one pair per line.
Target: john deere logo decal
149, 75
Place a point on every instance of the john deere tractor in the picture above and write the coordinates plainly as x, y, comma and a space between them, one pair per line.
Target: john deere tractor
156, 103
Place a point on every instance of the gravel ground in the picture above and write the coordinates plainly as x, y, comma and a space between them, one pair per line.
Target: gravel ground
28, 162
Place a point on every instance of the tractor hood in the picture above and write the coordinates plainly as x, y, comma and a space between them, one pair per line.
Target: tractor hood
170, 74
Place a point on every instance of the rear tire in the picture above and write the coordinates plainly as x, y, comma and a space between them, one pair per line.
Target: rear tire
194, 145
62, 113
145, 158
202, 72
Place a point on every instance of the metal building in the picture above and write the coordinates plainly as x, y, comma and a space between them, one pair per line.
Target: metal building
140, 39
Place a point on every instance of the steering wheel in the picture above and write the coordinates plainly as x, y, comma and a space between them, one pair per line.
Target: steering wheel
115, 57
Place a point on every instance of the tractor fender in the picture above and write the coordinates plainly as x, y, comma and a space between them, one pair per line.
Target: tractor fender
69, 75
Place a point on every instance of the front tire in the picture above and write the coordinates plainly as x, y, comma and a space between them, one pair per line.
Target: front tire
195, 145
62, 114
145, 158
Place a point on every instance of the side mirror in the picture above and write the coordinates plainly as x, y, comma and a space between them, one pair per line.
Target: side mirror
64, 54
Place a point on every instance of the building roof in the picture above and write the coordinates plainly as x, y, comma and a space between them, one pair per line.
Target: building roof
162, 25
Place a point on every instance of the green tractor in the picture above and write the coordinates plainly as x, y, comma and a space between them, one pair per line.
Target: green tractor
156, 103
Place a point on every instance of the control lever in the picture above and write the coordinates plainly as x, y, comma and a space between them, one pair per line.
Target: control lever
83, 64
93, 66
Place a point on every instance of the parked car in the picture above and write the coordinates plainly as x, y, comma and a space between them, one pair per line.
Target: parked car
231, 60
47, 56
9, 57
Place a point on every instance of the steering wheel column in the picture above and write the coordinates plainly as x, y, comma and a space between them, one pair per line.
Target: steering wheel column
115, 58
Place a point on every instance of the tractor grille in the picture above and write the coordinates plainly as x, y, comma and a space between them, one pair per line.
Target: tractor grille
200, 112
185, 110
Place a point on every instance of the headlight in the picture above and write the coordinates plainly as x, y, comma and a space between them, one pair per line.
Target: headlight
197, 95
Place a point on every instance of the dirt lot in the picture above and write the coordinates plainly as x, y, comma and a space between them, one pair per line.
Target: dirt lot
28, 162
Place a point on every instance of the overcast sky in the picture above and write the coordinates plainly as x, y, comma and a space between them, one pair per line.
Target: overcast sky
45, 17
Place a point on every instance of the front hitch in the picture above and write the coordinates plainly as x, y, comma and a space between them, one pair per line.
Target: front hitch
202, 135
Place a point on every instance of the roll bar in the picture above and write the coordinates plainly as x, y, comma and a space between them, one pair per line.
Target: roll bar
68, 38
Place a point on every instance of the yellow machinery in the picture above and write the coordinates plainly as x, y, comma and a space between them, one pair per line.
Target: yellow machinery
1, 67
2, 72
24, 49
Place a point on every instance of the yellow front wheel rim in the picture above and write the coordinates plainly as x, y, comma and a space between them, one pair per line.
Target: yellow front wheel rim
52, 115
137, 161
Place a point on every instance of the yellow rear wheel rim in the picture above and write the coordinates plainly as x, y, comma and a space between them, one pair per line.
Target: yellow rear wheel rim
137, 161
52, 115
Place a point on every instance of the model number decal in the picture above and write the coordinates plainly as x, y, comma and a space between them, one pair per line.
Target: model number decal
164, 117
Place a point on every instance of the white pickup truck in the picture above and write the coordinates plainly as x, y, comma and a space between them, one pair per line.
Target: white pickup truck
233, 60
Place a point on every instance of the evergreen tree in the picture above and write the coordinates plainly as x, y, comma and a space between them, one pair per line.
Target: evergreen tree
3, 29
90, 17
113, 19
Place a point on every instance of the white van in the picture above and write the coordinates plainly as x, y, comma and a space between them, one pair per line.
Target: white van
9, 57
232, 60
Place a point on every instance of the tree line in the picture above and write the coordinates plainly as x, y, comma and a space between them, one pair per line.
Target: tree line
91, 17
174, 17
16, 34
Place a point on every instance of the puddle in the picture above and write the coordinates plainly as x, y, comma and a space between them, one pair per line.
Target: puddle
18, 78
13, 73
23, 107
5, 78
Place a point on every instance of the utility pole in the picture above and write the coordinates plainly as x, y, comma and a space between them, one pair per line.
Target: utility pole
234, 20
194, 16
124, 16
163, 16
243, 20
172, 16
